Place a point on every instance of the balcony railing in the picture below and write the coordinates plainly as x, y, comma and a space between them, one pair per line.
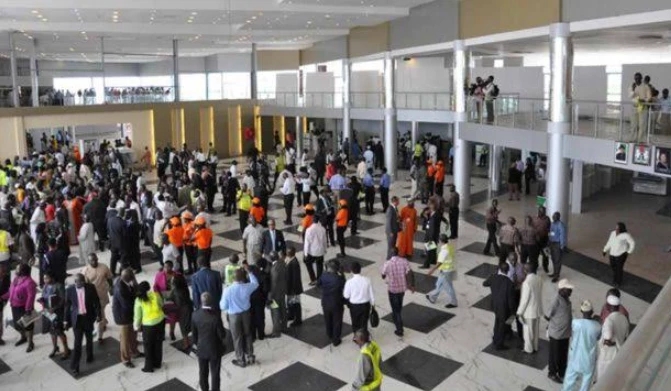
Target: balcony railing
360, 100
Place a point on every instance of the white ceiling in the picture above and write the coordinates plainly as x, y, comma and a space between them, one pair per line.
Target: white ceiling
141, 30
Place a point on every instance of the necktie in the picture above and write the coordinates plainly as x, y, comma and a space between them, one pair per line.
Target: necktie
81, 300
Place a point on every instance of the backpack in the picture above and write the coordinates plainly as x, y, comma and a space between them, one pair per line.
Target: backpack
495, 91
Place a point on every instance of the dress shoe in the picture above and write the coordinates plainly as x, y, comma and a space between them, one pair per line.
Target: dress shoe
75, 372
2, 342
139, 355
554, 378
239, 363
555, 279
30, 347
274, 335
65, 356
312, 283
147, 370
54, 352
129, 364
430, 300
450, 306
251, 359
337, 342
398, 333
21, 341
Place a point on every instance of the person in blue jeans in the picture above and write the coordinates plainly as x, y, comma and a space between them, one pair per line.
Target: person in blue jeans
447, 267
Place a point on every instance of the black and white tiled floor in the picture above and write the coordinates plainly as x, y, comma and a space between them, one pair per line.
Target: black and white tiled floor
441, 349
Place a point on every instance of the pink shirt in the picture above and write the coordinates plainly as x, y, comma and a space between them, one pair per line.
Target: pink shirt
22, 292
81, 301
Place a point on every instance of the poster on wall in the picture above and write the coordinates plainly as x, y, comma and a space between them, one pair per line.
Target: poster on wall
662, 160
641, 154
621, 154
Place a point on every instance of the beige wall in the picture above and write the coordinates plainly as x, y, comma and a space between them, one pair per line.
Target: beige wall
485, 17
13, 138
278, 60
368, 40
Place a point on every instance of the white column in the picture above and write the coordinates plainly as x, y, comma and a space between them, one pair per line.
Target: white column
102, 66
253, 73
462, 148
34, 83
12, 65
346, 104
299, 140
175, 69
576, 187
414, 133
390, 142
495, 159
561, 72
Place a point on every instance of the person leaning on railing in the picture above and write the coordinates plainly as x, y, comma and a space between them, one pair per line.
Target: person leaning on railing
641, 94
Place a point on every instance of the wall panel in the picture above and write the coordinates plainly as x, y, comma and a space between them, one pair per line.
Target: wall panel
485, 17
429, 23
332, 49
574, 10
278, 60
364, 41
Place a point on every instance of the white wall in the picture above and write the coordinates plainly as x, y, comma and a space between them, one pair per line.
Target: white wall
590, 83
165, 67
319, 89
423, 74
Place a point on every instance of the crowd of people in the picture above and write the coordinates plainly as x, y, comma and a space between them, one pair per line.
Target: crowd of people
57, 199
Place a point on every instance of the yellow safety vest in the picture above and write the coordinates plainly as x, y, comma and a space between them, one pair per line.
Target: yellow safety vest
3, 242
3, 178
229, 274
372, 350
245, 201
418, 150
151, 311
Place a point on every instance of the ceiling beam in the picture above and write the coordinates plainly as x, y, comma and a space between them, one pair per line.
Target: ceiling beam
202, 5
162, 29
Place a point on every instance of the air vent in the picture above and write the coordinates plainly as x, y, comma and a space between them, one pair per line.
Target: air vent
521, 52
650, 37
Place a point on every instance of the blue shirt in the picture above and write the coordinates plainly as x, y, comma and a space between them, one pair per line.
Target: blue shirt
236, 297
368, 180
585, 335
558, 233
337, 182
385, 181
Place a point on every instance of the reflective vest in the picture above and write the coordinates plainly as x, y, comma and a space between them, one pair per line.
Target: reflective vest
150, 311
3, 178
229, 274
3, 242
418, 150
244, 201
203, 238
372, 350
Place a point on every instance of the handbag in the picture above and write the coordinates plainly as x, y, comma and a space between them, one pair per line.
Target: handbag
374, 318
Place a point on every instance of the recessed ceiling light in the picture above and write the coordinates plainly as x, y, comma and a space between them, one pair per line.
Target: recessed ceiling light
309, 22
72, 49
248, 21
45, 19
35, 11
83, 32
189, 21
253, 17
327, 16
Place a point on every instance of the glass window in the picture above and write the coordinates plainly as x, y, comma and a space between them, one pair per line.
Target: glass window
498, 63
192, 86
214, 86
614, 87
236, 85
375, 65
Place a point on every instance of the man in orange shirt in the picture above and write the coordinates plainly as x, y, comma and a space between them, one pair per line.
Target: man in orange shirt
440, 178
203, 239
406, 237
341, 219
175, 234
189, 245
430, 175
257, 211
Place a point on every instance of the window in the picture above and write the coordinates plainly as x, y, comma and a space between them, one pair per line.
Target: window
236, 85
214, 86
192, 86
498, 63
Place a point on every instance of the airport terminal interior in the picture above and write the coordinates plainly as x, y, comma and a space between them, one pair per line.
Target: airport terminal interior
555, 105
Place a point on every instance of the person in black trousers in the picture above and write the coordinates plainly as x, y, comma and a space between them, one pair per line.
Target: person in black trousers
491, 221
453, 211
503, 303
259, 298
332, 284
210, 337
432, 234
116, 231
153, 334
81, 295
354, 203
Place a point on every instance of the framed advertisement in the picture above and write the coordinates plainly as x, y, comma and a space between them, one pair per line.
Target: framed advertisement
662, 165
621, 152
642, 155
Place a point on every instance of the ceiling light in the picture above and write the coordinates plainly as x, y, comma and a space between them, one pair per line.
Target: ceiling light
248, 21
309, 22
83, 32
35, 11
189, 21
115, 12
72, 49
45, 19
194, 13
39, 16
327, 16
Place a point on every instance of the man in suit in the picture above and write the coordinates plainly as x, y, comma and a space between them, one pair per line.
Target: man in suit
332, 284
210, 337
82, 310
273, 240
96, 211
206, 280
123, 300
326, 213
116, 228
278, 294
503, 303
432, 234
392, 225
530, 309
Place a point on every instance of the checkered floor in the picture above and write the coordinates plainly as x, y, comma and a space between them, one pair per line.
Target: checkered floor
441, 349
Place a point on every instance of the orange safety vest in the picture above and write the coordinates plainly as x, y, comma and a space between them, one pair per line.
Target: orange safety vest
176, 235
342, 218
258, 213
203, 238
189, 229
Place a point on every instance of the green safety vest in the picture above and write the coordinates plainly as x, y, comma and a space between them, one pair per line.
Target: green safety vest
372, 350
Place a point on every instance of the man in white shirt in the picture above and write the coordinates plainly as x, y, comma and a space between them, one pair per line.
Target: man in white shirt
664, 120
290, 159
530, 309
361, 169
248, 180
641, 94
252, 240
369, 157
359, 292
620, 245
314, 249
433, 152
614, 332
288, 189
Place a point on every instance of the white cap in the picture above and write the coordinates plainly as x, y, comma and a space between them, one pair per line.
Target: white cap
613, 300
565, 284
586, 306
